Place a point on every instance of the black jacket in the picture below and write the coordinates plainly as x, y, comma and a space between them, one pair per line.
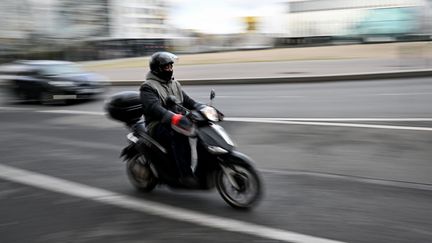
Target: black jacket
154, 92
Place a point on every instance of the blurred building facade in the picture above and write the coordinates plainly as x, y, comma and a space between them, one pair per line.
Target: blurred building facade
85, 29
81, 19
104, 29
321, 21
14, 29
13, 25
138, 18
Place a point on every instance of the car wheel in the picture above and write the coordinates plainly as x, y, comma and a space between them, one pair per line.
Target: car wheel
20, 95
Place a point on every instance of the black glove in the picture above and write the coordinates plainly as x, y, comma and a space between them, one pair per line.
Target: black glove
182, 125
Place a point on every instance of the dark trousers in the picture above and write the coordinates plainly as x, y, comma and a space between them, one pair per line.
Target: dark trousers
178, 147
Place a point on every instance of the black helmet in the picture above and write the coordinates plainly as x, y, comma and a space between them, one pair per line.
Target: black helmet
160, 59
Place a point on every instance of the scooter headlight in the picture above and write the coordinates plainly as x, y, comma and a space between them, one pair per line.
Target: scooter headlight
210, 113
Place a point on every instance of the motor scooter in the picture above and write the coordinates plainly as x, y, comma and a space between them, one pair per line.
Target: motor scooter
216, 161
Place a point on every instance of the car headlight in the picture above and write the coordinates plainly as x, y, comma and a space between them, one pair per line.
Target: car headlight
61, 83
210, 113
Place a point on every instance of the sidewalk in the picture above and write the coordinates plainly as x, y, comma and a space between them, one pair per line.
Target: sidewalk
328, 63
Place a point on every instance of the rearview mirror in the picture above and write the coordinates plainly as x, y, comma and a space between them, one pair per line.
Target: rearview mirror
212, 94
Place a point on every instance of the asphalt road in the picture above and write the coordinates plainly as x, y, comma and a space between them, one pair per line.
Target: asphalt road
361, 179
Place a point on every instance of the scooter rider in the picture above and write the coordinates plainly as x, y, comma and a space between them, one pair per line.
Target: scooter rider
168, 128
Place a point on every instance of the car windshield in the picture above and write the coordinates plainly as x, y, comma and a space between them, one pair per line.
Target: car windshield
59, 69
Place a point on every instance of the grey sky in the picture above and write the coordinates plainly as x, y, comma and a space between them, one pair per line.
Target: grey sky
224, 16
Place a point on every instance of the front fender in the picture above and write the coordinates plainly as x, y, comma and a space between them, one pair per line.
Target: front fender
129, 152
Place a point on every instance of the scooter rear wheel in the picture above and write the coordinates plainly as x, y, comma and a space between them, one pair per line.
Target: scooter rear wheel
246, 190
140, 175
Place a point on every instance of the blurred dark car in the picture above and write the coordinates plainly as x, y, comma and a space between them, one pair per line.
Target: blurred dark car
51, 81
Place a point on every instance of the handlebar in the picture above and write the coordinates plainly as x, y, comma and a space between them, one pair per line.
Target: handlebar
193, 115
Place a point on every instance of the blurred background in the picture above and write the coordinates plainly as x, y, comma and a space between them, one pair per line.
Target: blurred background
347, 161
107, 29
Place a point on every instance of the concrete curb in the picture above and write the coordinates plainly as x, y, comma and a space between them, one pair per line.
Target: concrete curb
298, 79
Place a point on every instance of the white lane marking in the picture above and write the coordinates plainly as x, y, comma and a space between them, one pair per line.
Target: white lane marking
295, 121
343, 119
270, 119
107, 197
73, 112
7, 108
308, 96
254, 96
255, 120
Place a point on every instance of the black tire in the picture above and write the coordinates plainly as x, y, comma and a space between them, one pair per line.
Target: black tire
18, 95
21, 95
140, 175
249, 192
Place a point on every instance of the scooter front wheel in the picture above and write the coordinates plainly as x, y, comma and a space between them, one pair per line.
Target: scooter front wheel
140, 175
239, 185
